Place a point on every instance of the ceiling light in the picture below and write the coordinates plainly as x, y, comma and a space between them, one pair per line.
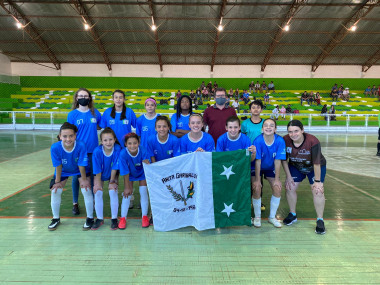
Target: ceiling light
220, 28
353, 28
153, 27
286, 28
19, 25
86, 26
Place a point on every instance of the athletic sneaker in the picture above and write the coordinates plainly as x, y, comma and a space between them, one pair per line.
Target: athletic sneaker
114, 225
88, 224
151, 221
320, 228
76, 211
262, 207
122, 223
145, 222
256, 222
274, 222
290, 219
378, 154
97, 224
54, 224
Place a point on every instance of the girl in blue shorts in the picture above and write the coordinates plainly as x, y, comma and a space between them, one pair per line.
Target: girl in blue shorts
131, 161
196, 139
270, 150
69, 158
105, 168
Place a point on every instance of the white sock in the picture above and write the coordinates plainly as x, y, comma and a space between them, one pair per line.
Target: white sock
99, 204
114, 203
125, 206
274, 203
89, 202
56, 202
144, 200
257, 207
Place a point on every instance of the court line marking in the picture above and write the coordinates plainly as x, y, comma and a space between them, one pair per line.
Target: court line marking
354, 187
27, 187
22, 156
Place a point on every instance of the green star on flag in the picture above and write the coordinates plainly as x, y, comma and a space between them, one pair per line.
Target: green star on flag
201, 189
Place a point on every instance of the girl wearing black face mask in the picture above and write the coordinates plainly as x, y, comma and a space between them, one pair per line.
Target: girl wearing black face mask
86, 118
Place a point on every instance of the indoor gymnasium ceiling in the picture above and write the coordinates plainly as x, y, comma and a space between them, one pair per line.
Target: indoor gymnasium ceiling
187, 32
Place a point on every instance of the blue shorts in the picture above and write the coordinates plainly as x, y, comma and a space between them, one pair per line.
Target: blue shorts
298, 176
266, 173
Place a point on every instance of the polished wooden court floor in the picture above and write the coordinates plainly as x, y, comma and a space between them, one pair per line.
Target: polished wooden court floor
349, 252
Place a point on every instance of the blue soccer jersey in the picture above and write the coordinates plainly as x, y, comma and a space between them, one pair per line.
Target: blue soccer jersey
252, 130
70, 160
182, 123
145, 128
206, 142
224, 143
120, 127
104, 164
164, 150
133, 165
87, 125
268, 153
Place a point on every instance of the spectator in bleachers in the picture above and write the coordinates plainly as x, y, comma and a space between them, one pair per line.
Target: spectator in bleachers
198, 94
215, 85
264, 87
236, 105
237, 93
304, 97
324, 111
266, 98
251, 86
231, 93
335, 87
209, 86
271, 86
332, 113
367, 91
257, 87
205, 93
283, 112
334, 95
192, 95
346, 94
318, 98
203, 85
289, 109
311, 98
374, 90
340, 92
275, 113
179, 94
245, 97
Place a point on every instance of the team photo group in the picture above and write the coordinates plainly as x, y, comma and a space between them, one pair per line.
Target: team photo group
97, 162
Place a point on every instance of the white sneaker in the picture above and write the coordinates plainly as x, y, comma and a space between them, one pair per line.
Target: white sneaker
256, 222
274, 222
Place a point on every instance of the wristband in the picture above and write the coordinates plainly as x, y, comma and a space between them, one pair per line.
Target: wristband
317, 180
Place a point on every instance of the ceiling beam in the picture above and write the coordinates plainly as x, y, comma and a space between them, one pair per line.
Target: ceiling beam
371, 61
82, 11
13, 10
342, 32
278, 35
216, 40
156, 38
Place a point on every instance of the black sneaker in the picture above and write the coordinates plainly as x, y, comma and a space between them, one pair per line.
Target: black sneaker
290, 219
320, 228
54, 224
114, 224
76, 211
88, 224
378, 154
262, 207
97, 224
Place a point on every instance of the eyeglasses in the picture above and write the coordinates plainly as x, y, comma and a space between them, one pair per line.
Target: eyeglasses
83, 97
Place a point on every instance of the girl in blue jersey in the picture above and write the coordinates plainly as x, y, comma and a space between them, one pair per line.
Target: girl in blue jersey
145, 126
196, 139
233, 139
119, 118
131, 161
270, 150
180, 120
86, 118
163, 145
105, 168
69, 158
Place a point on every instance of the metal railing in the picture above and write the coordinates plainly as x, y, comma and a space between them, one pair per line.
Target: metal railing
43, 120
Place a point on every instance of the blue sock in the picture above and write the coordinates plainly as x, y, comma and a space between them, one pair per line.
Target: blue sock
294, 214
320, 219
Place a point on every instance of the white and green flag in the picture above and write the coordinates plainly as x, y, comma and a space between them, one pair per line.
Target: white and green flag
202, 189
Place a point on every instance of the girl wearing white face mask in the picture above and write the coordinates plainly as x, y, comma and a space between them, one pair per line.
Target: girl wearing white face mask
86, 118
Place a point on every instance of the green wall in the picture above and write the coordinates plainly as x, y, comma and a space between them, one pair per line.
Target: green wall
7, 89
189, 83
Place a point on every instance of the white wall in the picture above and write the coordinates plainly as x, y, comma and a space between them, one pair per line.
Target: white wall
5, 65
191, 71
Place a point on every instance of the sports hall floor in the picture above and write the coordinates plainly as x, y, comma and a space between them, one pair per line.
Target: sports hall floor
349, 253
